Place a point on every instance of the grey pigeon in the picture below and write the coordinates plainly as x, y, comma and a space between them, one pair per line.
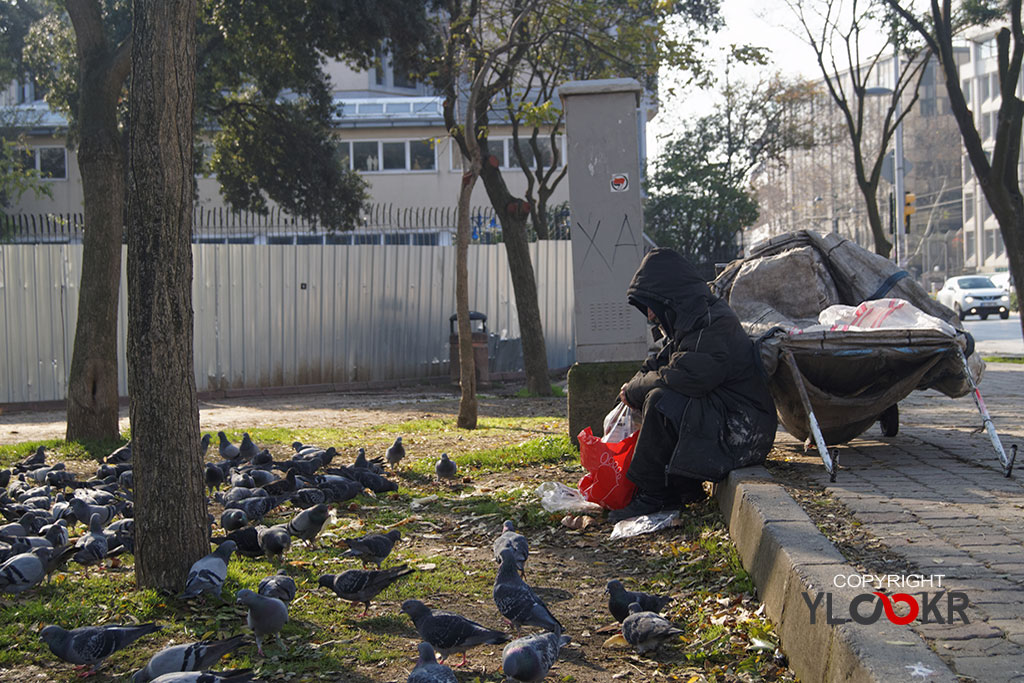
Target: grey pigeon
509, 538
445, 467
24, 571
36, 459
84, 511
395, 453
646, 630
372, 547
246, 540
262, 458
204, 444
619, 600
308, 497
227, 450
247, 450
208, 573
186, 657
92, 547
267, 616
370, 480
275, 541
361, 585
233, 518
427, 670
529, 658
516, 601
90, 645
280, 586
361, 463
233, 676
308, 523
121, 455
448, 632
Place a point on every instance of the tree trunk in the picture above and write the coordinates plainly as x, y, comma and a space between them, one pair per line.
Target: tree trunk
171, 529
883, 247
513, 214
92, 380
467, 365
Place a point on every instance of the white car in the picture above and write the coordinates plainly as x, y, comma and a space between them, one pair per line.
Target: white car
974, 295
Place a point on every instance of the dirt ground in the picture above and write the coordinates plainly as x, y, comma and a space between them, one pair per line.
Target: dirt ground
300, 411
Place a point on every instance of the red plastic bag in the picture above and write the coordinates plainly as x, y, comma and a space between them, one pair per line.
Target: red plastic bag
606, 463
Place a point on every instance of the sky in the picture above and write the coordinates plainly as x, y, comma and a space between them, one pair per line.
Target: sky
756, 22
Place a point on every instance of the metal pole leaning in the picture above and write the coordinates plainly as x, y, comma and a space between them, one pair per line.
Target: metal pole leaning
1005, 460
812, 421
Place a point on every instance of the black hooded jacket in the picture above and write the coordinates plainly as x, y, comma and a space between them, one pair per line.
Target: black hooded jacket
716, 396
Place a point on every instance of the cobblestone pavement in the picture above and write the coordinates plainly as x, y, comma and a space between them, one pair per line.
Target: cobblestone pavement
935, 494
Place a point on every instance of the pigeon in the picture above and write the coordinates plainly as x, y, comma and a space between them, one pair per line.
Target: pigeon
516, 541
122, 455
246, 540
646, 630
427, 670
267, 616
56, 559
445, 467
529, 658
374, 482
280, 586
208, 573
84, 511
227, 450
36, 459
361, 585
308, 497
262, 477
619, 600
281, 486
308, 523
241, 479
262, 458
395, 453
24, 571
448, 632
186, 657
233, 676
247, 450
372, 547
275, 541
92, 547
90, 645
204, 444
233, 518
258, 506
361, 463
516, 601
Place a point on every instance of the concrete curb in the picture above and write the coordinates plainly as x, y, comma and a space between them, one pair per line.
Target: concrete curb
787, 556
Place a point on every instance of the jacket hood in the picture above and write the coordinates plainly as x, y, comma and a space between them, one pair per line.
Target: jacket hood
670, 285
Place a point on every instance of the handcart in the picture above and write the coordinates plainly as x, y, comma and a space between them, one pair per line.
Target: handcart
844, 335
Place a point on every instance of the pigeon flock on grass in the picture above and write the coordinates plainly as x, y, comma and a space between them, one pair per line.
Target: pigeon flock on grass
54, 518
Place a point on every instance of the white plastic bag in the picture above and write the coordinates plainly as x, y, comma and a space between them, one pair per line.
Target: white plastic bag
618, 424
645, 524
557, 497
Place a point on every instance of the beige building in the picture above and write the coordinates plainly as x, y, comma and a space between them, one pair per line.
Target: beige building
390, 129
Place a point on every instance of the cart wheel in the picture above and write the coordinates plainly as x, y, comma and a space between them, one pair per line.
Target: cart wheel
889, 420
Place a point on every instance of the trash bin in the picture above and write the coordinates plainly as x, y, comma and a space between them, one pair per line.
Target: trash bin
478, 327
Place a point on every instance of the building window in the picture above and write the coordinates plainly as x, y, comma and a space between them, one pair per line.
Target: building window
968, 246
504, 151
967, 92
51, 162
983, 88
968, 207
390, 155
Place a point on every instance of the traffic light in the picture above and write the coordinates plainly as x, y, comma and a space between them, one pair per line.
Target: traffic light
909, 208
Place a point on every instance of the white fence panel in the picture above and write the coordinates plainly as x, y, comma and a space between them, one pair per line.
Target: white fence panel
268, 316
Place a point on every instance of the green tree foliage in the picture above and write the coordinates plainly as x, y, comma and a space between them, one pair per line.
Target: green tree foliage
699, 193
263, 99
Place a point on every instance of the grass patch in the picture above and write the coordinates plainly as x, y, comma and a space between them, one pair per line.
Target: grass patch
59, 449
1003, 359
556, 391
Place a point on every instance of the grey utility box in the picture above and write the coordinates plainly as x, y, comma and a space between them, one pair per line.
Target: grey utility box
602, 127
602, 132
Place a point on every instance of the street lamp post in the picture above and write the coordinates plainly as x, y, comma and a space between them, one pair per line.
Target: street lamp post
899, 246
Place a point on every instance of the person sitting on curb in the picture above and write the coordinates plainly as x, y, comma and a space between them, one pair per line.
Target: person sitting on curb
706, 407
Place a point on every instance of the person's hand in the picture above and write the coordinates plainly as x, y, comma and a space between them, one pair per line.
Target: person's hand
622, 397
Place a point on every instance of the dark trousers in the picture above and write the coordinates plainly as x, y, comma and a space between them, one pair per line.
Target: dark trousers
653, 453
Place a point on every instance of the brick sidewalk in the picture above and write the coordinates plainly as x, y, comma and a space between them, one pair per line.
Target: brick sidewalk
935, 495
